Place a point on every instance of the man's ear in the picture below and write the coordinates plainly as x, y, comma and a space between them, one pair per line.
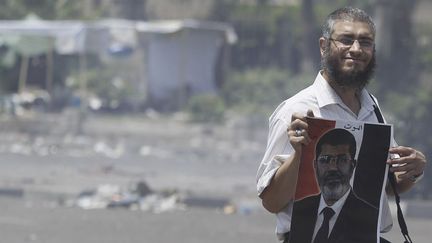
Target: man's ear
322, 44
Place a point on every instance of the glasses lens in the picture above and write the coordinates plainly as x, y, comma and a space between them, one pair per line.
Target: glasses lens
366, 43
340, 159
348, 42
324, 159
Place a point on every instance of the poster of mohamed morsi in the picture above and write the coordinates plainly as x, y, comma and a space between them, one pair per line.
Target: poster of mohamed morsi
340, 190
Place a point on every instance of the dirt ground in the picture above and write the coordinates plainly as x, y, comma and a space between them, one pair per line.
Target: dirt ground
24, 221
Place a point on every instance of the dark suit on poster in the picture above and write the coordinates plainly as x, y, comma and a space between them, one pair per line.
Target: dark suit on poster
356, 223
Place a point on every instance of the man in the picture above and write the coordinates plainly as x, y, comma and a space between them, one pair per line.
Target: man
351, 219
348, 60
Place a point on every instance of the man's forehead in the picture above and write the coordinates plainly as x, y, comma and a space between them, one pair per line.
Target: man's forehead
357, 28
327, 149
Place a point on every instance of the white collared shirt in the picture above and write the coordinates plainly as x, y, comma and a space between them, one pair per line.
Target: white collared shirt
325, 103
337, 207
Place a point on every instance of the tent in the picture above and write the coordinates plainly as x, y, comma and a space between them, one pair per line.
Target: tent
180, 57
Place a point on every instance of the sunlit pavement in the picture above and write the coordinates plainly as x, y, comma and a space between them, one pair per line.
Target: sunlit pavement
35, 221
418, 217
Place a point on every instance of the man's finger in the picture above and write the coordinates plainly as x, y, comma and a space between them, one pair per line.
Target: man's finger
310, 113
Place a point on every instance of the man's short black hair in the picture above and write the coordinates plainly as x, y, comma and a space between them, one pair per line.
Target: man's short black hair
337, 136
346, 14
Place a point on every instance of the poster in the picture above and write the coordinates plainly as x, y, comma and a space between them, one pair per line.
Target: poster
343, 168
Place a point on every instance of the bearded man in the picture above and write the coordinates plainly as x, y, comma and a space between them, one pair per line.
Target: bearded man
347, 47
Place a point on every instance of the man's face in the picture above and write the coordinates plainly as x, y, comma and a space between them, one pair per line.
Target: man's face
349, 55
334, 167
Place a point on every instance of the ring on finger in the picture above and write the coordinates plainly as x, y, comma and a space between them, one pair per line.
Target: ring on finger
417, 177
298, 132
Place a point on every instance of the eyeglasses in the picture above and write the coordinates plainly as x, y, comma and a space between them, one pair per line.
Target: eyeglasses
347, 42
339, 159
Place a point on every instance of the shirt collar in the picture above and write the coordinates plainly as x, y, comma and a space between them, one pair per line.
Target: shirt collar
324, 92
366, 100
326, 95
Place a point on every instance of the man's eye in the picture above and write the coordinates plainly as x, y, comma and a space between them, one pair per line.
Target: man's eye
346, 41
324, 160
366, 43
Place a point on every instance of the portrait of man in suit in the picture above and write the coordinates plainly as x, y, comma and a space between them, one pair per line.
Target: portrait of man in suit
336, 214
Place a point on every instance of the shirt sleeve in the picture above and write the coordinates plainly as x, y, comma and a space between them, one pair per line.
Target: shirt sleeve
278, 149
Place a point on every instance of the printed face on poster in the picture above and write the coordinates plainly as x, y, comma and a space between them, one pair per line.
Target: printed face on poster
342, 168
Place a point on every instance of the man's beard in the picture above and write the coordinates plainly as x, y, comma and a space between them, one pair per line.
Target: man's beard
334, 185
353, 79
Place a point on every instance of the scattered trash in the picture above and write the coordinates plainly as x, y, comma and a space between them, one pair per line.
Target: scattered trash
12, 192
229, 209
104, 148
148, 146
205, 202
141, 197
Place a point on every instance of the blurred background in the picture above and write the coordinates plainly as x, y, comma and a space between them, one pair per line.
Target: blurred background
146, 120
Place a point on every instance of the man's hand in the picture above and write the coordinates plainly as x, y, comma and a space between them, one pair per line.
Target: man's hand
408, 162
298, 130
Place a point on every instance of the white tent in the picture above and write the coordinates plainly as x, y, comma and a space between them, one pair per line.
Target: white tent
183, 57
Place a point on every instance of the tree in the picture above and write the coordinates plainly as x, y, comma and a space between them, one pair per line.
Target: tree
126, 9
46, 9
408, 101
395, 44
311, 33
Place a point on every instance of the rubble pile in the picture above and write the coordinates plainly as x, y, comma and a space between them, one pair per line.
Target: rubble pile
142, 198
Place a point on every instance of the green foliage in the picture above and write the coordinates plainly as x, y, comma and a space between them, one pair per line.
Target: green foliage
46, 9
8, 78
261, 90
103, 80
411, 115
267, 33
106, 85
426, 58
424, 46
273, 35
206, 108
254, 92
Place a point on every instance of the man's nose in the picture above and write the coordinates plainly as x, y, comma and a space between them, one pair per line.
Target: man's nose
355, 46
333, 164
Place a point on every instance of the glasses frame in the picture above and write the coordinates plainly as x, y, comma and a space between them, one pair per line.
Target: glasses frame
347, 42
338, 158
